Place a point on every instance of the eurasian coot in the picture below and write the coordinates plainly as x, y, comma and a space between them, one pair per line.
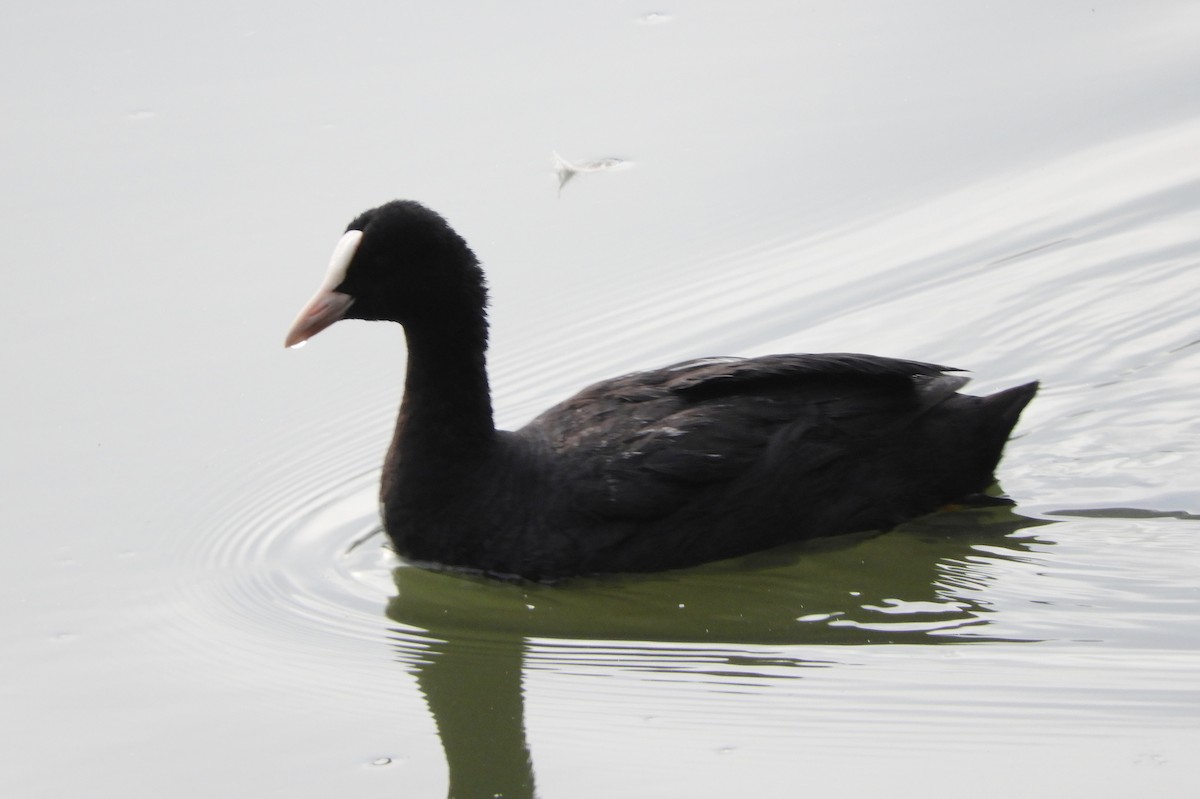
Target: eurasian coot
654, 470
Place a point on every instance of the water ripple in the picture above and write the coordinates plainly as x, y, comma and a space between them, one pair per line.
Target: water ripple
300, 560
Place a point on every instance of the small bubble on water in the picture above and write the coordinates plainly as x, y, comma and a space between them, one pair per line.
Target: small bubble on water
381, 761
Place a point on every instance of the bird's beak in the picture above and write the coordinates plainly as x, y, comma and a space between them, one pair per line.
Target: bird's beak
327, 306
322, 311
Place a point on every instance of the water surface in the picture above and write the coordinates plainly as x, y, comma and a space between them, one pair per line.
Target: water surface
197, 597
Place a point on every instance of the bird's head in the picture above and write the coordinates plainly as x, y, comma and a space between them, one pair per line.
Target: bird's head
400, 262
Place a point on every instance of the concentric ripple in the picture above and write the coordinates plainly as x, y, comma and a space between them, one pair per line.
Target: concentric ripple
291, 579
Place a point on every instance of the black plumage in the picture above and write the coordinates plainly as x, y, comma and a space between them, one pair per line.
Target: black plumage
653, 470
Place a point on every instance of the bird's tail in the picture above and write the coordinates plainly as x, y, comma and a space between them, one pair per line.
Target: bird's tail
1006, 405
1001, 411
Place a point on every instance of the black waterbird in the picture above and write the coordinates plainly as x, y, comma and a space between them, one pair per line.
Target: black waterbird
699, 461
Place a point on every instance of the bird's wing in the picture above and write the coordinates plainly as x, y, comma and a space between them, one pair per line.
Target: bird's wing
642, 445
713, 377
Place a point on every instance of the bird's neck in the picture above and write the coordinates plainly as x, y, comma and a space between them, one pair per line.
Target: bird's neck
445, 423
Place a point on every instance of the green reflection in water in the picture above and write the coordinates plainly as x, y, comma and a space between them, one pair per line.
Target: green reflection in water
468, 639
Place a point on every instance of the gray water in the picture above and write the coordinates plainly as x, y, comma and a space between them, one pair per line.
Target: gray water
195, 594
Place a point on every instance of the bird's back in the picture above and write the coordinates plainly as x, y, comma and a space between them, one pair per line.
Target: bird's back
718, 457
